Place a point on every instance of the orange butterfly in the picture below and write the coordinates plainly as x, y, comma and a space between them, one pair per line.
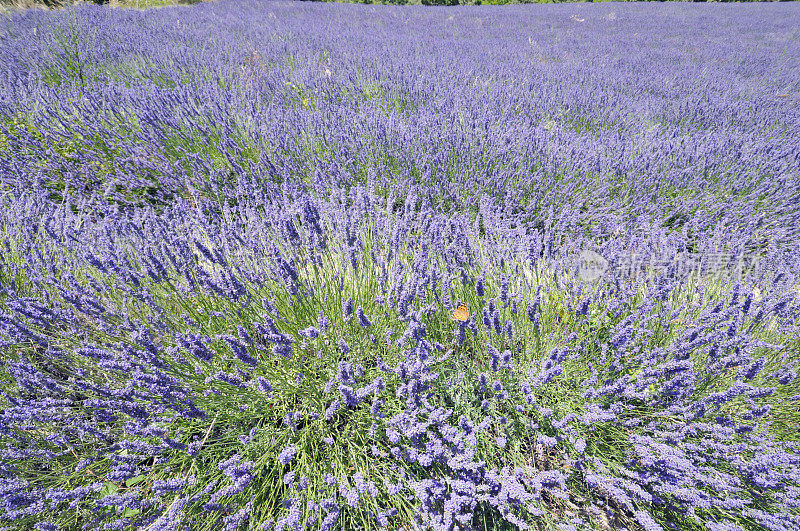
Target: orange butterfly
461, 314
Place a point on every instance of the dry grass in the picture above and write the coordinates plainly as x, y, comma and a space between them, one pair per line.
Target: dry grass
146, 4
9, 6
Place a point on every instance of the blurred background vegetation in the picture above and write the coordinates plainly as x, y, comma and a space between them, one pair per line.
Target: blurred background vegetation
12, 5
500, 2
6, 5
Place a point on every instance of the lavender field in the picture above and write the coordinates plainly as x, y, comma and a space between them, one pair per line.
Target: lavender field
277, 265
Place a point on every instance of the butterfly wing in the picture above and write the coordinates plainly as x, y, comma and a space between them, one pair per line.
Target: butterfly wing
461, 314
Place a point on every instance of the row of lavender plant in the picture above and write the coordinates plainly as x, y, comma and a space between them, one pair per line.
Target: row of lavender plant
234, 235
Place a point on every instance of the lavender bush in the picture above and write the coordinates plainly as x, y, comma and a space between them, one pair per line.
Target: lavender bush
234, 236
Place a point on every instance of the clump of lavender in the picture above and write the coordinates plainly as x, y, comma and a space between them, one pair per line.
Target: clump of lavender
225, 310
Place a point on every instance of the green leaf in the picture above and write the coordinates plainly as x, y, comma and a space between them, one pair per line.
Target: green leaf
109, 489
134, 481
128, 513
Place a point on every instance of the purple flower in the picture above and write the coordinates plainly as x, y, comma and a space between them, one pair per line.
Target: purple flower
350, 495
282, 350
332, 409
263, 385
287, 454
310, 332
479, 285
580, 446
347, 307
343, 346
362, 318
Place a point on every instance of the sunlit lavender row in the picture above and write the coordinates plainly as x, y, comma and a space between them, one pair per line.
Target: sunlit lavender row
276, 265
